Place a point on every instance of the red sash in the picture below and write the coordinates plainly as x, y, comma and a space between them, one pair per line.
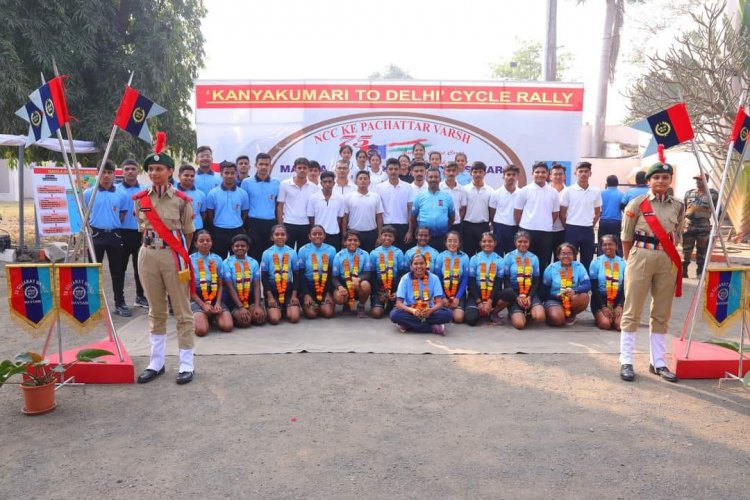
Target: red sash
147, 207
664, 239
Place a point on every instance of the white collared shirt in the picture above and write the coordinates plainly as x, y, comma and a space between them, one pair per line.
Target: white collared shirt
581, 204
326, 212
502, 201
362, 209
459, 196
417, 189
395, 201
295, 200
343, 191
538, 203
477, 203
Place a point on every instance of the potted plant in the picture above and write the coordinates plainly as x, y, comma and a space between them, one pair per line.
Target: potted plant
38, 385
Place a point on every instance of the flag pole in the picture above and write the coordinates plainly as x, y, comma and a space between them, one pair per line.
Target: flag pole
69, 132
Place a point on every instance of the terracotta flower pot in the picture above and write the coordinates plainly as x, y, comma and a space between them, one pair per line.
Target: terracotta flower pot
38, 399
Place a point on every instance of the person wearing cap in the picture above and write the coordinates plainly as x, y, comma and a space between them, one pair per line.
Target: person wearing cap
697, 224
650, 228
165, 217
107, 213
226, 210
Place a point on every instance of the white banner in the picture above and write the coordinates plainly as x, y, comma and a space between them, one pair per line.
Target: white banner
496, 122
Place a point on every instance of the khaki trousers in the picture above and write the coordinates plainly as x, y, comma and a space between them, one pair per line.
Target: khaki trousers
648, 270
156, 268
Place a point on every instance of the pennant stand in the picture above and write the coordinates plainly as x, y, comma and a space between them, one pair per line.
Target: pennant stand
710, 361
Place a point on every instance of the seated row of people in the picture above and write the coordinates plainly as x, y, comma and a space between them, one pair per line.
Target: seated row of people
420, 290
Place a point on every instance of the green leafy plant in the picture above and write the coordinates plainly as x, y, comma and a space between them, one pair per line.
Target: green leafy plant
38, 371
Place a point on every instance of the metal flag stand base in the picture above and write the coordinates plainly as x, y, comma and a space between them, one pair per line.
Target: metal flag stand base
729, 375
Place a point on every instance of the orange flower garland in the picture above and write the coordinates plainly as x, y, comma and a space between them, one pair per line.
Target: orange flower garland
612, 276
523, 274
320, 275
487, 282
566, 281
208, 294
243, 278
349, 273
281, 276
421, 302
451, 279
386, 272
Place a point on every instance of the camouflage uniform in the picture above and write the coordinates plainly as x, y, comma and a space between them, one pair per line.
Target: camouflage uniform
697, 227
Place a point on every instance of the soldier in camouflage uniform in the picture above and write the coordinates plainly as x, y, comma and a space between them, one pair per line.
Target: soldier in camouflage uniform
697, 224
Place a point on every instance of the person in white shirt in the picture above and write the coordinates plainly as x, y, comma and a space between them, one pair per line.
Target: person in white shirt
580, 208
326, 208
457, 192
313, 173
504, 224
363, 212
478, 212
535, 208
397, 197
418, 171
291, 204
557, 177
360, 165
377, 175
342, 186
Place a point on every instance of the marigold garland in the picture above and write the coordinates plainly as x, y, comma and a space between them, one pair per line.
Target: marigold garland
420, 302
320, 275
243, 278
566, 281
487, 282
612, 279
281, 276
386, 272
451, 277
208, 293
349, 273
523, 274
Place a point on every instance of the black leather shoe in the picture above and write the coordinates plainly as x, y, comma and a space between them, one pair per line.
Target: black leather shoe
627, 373
184, 377
148, 375
664, 373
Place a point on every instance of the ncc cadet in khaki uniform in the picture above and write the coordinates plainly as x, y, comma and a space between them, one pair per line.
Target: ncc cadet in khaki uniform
163, 264
697, 224
650, 227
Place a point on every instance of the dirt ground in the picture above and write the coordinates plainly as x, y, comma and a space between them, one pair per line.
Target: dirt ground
379, 426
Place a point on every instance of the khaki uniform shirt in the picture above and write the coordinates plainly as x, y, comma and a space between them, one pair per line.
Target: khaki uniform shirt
670, 213
175, 212
698, 210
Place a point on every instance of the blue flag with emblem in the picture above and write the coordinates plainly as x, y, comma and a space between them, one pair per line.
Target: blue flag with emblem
133, 111
35, 118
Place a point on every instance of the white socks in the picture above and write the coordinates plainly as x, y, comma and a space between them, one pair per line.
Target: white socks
657, 350
627, 344
186, 360
158, 351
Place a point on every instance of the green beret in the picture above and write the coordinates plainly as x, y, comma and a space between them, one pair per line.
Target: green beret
161, 159
659, 168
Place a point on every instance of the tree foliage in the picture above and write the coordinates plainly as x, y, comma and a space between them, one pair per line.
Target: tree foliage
391, 72
97, 43
526, 63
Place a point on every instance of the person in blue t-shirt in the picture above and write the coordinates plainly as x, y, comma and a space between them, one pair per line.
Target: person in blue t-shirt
242, 279
452, 267
486, 271
607, 274
434, 209
207, 301
315, 263
186, 184
610, 221
522, 274
423, 247
565, 287
388, 264
641, 187
262, 192
226, 209
279, 273
132, 239
205, 178
419, 301
351, 275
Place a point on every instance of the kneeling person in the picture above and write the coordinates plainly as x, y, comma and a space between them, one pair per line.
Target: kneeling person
279, 274
388, 264
315, 262
242, 280
351, 275
207, 304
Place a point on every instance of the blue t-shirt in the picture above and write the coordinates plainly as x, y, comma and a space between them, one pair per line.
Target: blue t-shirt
464, 178
597, 271
305, 259
346, 255
449, 258
207, 259
405, 290
227, 205
105, 214
488, 259
262, 197
267, 266
130, 221
581, 283
611, 200
632, 193
206, 181
432, 211
199, 205
430, 255
510, 265
399, 263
